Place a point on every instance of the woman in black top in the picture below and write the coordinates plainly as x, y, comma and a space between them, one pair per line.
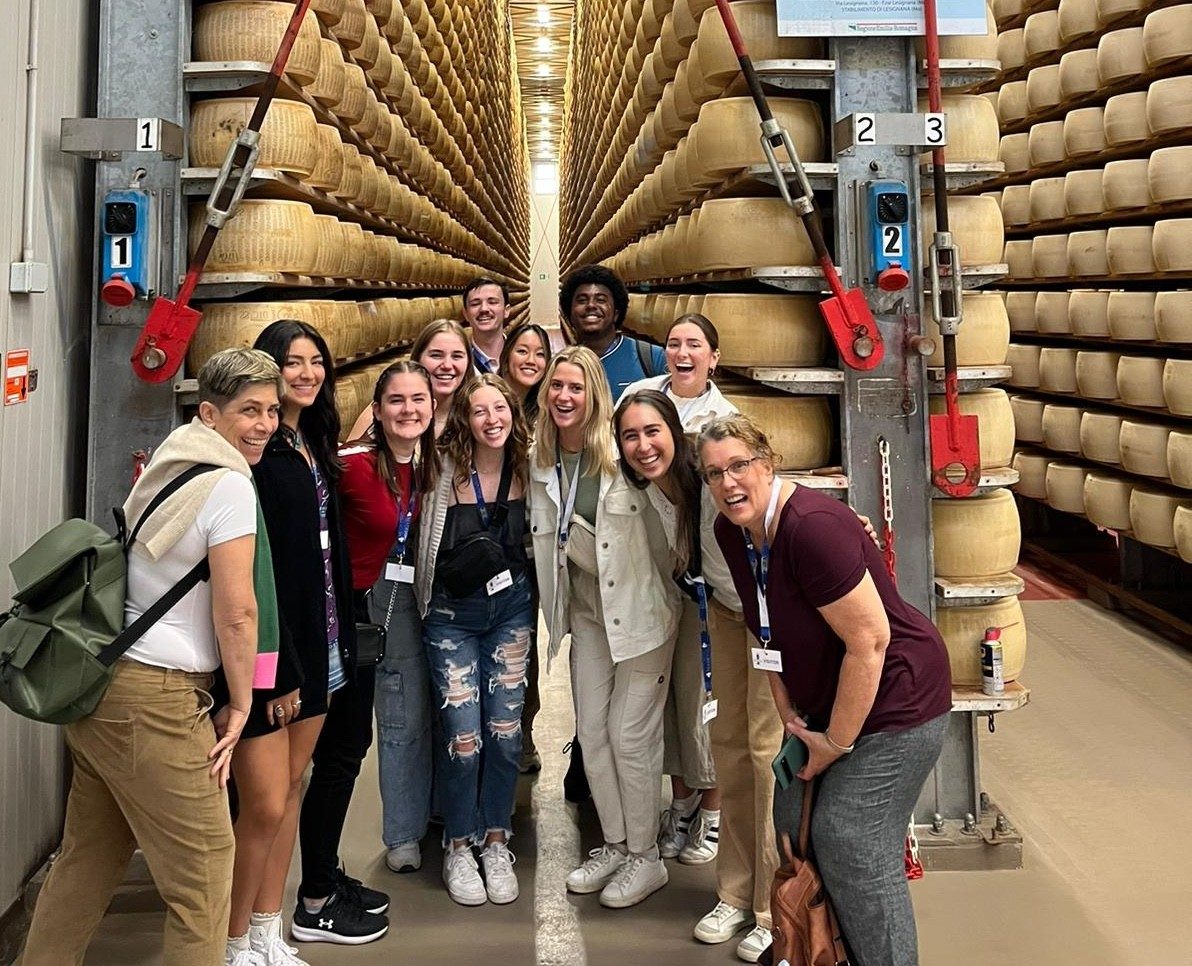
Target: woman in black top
473, 586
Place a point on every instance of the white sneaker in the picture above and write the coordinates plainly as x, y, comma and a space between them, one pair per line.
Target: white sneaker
719, 925
752, 946
593, 875
242, 957
703, 841
404, 858
265, 939
638, 877
673, 830
499, 877
462, 877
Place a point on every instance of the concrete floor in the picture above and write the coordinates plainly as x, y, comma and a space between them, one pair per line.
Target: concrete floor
1096, 772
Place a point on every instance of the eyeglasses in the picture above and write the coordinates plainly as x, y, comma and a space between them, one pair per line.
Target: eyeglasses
736, 469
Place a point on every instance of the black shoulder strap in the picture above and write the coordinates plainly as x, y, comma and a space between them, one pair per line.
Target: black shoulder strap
166, 492
644, 357
501, 510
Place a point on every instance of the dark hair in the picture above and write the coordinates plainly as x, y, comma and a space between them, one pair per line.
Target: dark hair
426, 470
683, 470
319, 422
701, 322
595, 275
480, 282
457, 440
529, 404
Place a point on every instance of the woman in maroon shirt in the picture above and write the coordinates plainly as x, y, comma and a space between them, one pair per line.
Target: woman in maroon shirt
858, 674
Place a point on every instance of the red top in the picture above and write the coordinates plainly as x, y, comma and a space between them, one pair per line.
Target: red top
370, 513
820, 553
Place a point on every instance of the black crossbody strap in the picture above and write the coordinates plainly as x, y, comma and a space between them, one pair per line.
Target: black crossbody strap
168, 491
501, 511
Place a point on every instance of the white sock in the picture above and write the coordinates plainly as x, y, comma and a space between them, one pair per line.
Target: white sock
265, 918
685, 806
238, 943
712, 814
314, 905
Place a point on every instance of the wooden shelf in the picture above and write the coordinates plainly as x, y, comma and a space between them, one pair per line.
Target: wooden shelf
969, 378
810, 381
1128, 534
1125, 216
1143, 347
797, 75
1116, 469
975, 700
1116, 404
230, 285
1127, 282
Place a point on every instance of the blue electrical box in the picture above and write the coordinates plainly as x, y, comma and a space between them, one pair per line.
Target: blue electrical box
888, 213
127, 238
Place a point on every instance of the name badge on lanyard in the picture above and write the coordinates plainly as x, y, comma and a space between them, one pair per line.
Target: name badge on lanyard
710, 706
396, 569
763, 658
566, 510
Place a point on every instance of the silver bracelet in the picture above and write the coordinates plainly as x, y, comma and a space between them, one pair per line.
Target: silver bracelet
839, 749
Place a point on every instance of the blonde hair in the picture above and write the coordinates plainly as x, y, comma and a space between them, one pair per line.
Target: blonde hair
437, 327
739, 427
226, 374
598, 417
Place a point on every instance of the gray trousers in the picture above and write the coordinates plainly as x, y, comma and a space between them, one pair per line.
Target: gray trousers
858, 831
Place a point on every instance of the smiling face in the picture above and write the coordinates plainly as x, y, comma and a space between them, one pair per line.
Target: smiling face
567, 398
593, 313
527, 361
485, 309
690, 359
743, 501
303, 371
489, 417
446, 359
406, 407
247, 420
646, 442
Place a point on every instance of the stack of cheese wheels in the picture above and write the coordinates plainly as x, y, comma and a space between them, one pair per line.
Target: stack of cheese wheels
262, 236
1100, 437
983, 336
1032, 474
995, 423
1064, 483
1107, 500
1152, 515
1177, 386
1140, 381
799, 427
1179, 457
963, 629
1061, 428
1143, 445
954, 522
1028, 418
227, 325
765, 330
732, 233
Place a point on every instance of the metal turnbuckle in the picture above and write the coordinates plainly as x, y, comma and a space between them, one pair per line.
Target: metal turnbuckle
942, 243
247, 141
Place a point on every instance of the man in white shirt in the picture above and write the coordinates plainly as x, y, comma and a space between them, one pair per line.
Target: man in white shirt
486, 309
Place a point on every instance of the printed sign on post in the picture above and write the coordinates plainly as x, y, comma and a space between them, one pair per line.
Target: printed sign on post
16, 377
888, 18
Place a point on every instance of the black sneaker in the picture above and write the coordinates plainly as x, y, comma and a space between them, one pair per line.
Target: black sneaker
339, 921
357, 893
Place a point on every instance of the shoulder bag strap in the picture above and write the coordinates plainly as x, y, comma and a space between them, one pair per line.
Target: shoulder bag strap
501, 510
166, 492
644, 358
805, 820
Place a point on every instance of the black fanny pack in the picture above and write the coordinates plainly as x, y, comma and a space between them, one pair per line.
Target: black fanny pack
478, 557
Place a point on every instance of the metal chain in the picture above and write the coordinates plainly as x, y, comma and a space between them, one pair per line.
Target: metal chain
883, 449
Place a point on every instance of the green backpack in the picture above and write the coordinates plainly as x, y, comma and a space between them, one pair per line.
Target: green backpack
66, 629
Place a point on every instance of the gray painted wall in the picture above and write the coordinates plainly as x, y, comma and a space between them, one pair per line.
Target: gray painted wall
42, 441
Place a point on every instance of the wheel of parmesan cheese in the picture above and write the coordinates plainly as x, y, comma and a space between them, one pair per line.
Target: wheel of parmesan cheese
1084, 132
1046, 196
1065, 486
1078, 19
995, 421
1143, 446
1107, 500
262, 236
976, 224
1173, 316
1051, 312
1132, 316
973, 134
1012, 106
1179, 458
1087, 254
745, 232
1167, 35
1152, 516
1032, 474
1049, 256
1024, 365
228, 325
288, 140
1126, 120
799, 427
724, 138
251, 30
1169, 105
768, 330
1028, 418
1088, 312
1100, 435
1120, 56
1011, 49
1016, 205
1126, 184
1057, 370
1014, 151
1079, 74
1096, 374
1007, 10
1172, 244
1182, 532
1128, 249
1061, 428
963, 629
758, 23
1020, 309
984, 335
1169, 174
328, 87
1083, 194
1043, 88
953, 524
1041, 35
1019, 259
1177, 386
1111, 11
1140, 381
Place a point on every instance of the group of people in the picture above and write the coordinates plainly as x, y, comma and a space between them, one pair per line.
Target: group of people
711, 606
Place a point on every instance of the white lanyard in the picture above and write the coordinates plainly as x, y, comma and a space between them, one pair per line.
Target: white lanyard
567, 509
759, 566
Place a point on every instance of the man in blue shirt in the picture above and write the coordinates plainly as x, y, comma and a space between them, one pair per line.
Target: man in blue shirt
594, 301
486, 309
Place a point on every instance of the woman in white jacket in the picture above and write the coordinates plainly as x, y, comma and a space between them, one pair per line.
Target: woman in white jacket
600, 558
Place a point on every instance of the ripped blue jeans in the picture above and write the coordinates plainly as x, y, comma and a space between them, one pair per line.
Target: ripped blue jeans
478, 648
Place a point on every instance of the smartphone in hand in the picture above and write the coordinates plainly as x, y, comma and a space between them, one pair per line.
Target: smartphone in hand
790, 759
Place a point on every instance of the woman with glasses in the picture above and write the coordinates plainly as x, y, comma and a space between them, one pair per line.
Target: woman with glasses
600, 558
859, 676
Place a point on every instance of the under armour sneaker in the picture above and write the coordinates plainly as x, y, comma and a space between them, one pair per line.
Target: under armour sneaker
675, 827
719, 925
404, 858
600, 866
462, 877
703, 840
357, 893
339, 921
750, 948
499, 878
638, 877
264, 936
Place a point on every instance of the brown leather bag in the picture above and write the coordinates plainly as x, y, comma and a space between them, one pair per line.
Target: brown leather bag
805, 929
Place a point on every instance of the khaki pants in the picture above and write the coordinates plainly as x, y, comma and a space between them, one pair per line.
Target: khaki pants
141, 778
687, 747
618, 714
746, 735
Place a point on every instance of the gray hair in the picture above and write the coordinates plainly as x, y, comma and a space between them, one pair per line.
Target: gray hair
226, 374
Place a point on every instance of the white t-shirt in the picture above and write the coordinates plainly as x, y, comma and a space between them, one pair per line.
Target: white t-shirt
693, 413
184, 639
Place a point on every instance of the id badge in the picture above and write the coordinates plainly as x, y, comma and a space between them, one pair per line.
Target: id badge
399, 573
324, 540
709, 710
499, 582
766, 659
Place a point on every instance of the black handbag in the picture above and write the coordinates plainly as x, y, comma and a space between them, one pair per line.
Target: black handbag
370, 637
479, 556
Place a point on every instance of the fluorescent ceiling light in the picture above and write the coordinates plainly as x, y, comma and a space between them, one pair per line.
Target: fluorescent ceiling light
544, 45
544, 14
543, 70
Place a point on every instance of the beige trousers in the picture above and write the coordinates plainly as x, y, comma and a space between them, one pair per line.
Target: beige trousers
618, 715
141, 778
687, 745
746, 735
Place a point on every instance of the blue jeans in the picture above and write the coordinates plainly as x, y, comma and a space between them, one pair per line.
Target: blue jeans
403, 711
479, 649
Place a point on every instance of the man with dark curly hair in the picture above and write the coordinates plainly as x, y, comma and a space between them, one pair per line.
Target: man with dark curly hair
593, 301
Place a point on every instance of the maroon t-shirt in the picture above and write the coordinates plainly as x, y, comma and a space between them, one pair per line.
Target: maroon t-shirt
370, 514
820, 553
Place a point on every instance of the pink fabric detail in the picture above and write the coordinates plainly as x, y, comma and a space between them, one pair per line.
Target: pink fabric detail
264, 674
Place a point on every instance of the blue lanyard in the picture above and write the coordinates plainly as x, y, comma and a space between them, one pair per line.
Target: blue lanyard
479, 491
568, 507
403, 526
705, 639
759, 564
